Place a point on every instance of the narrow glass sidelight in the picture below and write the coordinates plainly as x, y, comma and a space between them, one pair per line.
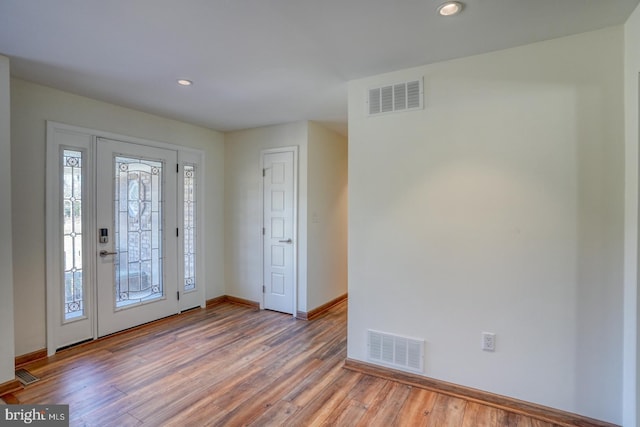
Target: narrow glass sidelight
138, 231
72, 207
189, 227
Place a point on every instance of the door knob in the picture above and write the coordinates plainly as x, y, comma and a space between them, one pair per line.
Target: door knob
104, 253
285, 241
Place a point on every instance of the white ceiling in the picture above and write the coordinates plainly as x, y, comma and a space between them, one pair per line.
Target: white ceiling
261, 62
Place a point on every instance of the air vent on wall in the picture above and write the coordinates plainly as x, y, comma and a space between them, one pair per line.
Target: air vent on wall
396, 97
395, 351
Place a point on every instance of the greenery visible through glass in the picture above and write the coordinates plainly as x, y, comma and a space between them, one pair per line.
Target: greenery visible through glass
72, 234
189, 227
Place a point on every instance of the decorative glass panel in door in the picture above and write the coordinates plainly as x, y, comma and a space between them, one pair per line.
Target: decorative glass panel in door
137, 266
138, 230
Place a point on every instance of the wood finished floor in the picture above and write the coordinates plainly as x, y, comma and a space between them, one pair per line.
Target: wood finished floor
231, 366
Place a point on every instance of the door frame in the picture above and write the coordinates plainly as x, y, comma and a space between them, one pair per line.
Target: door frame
193, 298
294, 150
53, 238
53, 257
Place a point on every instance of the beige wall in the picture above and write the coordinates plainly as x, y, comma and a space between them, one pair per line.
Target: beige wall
631, 356
31, 106
499, 208
242, 204
6, 266
327, 208
322, 205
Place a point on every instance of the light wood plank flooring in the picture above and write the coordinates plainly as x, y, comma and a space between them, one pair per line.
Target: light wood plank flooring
230, 366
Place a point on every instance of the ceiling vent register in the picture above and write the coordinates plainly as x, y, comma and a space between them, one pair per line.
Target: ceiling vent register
395, 351
396, 97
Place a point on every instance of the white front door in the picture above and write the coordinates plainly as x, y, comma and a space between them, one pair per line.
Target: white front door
136, 259
279, 230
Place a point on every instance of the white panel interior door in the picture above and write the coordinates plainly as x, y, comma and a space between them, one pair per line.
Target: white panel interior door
137, 267
279, 230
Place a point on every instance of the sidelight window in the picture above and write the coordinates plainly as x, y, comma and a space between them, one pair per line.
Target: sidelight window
189, 227
72, 207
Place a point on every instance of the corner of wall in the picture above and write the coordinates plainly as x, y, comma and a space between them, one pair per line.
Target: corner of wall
243, 148
631, 355
327, 216
7, 350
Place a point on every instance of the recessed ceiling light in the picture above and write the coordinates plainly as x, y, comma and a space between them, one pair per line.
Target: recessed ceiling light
185, 82
450, 8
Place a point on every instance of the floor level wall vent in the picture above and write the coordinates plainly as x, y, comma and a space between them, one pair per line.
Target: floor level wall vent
395, 351
26, 377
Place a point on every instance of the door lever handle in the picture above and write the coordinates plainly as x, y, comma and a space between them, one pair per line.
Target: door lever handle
285, 241
104, 253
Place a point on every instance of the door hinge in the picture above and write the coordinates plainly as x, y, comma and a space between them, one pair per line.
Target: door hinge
177, 232
264, 173
177, 168
178, 295
264, 289
263, 231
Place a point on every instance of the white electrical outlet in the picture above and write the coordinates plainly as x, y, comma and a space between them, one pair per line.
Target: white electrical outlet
488, 341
